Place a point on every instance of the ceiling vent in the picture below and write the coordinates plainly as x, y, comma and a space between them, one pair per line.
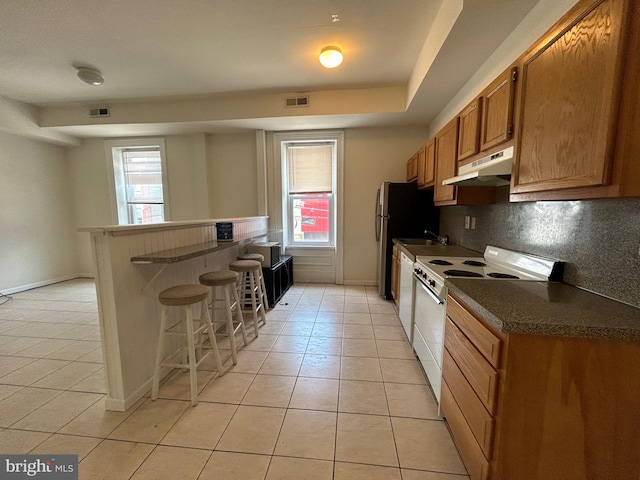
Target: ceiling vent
297, 101
99, 112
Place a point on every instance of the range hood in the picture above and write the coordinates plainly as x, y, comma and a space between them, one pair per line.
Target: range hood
490, 171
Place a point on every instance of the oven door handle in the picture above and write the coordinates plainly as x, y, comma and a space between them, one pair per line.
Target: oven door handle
433, 296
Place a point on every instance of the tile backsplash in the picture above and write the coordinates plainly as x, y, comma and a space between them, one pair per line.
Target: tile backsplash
598, 239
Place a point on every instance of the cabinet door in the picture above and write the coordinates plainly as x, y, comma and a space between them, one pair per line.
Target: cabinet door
446, 163
412, 168
426, 165
497, 115
469, 131
569, 102
394, 273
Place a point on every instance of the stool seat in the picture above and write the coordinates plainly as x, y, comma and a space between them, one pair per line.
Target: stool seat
245, 265
219, 278
251, 256
183, 295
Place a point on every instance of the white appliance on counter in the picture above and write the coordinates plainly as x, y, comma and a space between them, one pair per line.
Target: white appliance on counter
407, 289
429, 274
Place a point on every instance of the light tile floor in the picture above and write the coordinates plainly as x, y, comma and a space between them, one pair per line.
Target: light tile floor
329, 390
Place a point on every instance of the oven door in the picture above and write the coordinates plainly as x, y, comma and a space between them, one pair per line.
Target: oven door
428, 333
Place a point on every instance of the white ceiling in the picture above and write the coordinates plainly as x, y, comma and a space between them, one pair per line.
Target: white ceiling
159, 51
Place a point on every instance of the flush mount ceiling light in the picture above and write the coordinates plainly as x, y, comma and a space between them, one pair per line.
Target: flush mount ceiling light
331, 56
90, 76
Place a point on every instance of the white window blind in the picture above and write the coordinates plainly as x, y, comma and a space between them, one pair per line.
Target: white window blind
310, 168
142, 171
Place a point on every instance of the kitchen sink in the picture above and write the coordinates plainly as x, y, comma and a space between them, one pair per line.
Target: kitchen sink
416, 241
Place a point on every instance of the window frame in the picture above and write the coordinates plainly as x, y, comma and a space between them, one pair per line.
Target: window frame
113, 154
288, 198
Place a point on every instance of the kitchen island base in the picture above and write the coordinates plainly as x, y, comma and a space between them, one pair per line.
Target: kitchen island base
133, 264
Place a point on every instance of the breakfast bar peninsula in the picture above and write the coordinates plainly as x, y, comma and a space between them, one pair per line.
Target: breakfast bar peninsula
133, 263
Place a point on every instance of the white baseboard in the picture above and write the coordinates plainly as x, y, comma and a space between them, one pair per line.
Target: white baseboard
123, 404
366, 283
44, 283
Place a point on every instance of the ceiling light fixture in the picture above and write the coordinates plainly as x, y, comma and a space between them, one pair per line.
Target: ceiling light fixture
90, 76
331, 57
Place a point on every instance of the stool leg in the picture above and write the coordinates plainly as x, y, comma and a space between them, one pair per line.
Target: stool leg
212, 311
192, 355
214, 344
239, 316
254, 306
159, 353
265, 301
199, 341
230, 329
261, 294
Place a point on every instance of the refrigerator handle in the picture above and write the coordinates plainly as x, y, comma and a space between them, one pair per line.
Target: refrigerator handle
378, 212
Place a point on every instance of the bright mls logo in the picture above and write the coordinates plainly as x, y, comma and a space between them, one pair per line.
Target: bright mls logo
49, 467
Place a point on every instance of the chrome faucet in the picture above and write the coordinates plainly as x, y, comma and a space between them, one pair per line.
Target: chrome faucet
441, 239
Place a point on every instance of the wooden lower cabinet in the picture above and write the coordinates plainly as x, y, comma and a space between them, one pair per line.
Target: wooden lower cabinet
566, 408
475, 462
395, 275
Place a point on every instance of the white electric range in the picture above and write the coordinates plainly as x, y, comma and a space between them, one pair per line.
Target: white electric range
429, 312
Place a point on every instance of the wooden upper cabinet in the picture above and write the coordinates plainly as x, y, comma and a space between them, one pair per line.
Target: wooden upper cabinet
426, 164
446, 161
569, 99
446, 149
469, 130
412, 168
497, 113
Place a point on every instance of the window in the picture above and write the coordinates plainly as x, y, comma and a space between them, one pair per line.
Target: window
139, 184
309, 186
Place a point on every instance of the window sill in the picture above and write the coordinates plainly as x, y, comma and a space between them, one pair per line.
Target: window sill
314, 247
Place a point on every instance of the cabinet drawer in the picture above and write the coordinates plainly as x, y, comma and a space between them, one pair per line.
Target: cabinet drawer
478, 372
475, 462
478, 418
483, 339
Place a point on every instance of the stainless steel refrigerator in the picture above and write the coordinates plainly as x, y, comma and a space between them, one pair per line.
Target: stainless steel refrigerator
402, 211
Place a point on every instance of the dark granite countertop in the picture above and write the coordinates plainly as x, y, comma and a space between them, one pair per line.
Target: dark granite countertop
547, 308
435, 250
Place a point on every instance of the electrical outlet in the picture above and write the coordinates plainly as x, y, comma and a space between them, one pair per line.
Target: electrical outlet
473, 223
467, 222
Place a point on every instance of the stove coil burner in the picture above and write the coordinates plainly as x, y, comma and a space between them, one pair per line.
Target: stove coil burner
474, 263
439, 262
502, 275
462, 273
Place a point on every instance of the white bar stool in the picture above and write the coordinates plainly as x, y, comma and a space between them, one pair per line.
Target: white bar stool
226, 279
185, 296
258, 258
249, 289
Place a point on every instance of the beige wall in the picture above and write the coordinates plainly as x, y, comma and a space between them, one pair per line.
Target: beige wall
372, 156
186, 165
232, 170
90, 190
37, 241
187, 175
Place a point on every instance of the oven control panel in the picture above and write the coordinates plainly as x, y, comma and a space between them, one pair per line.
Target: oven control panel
427, 278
